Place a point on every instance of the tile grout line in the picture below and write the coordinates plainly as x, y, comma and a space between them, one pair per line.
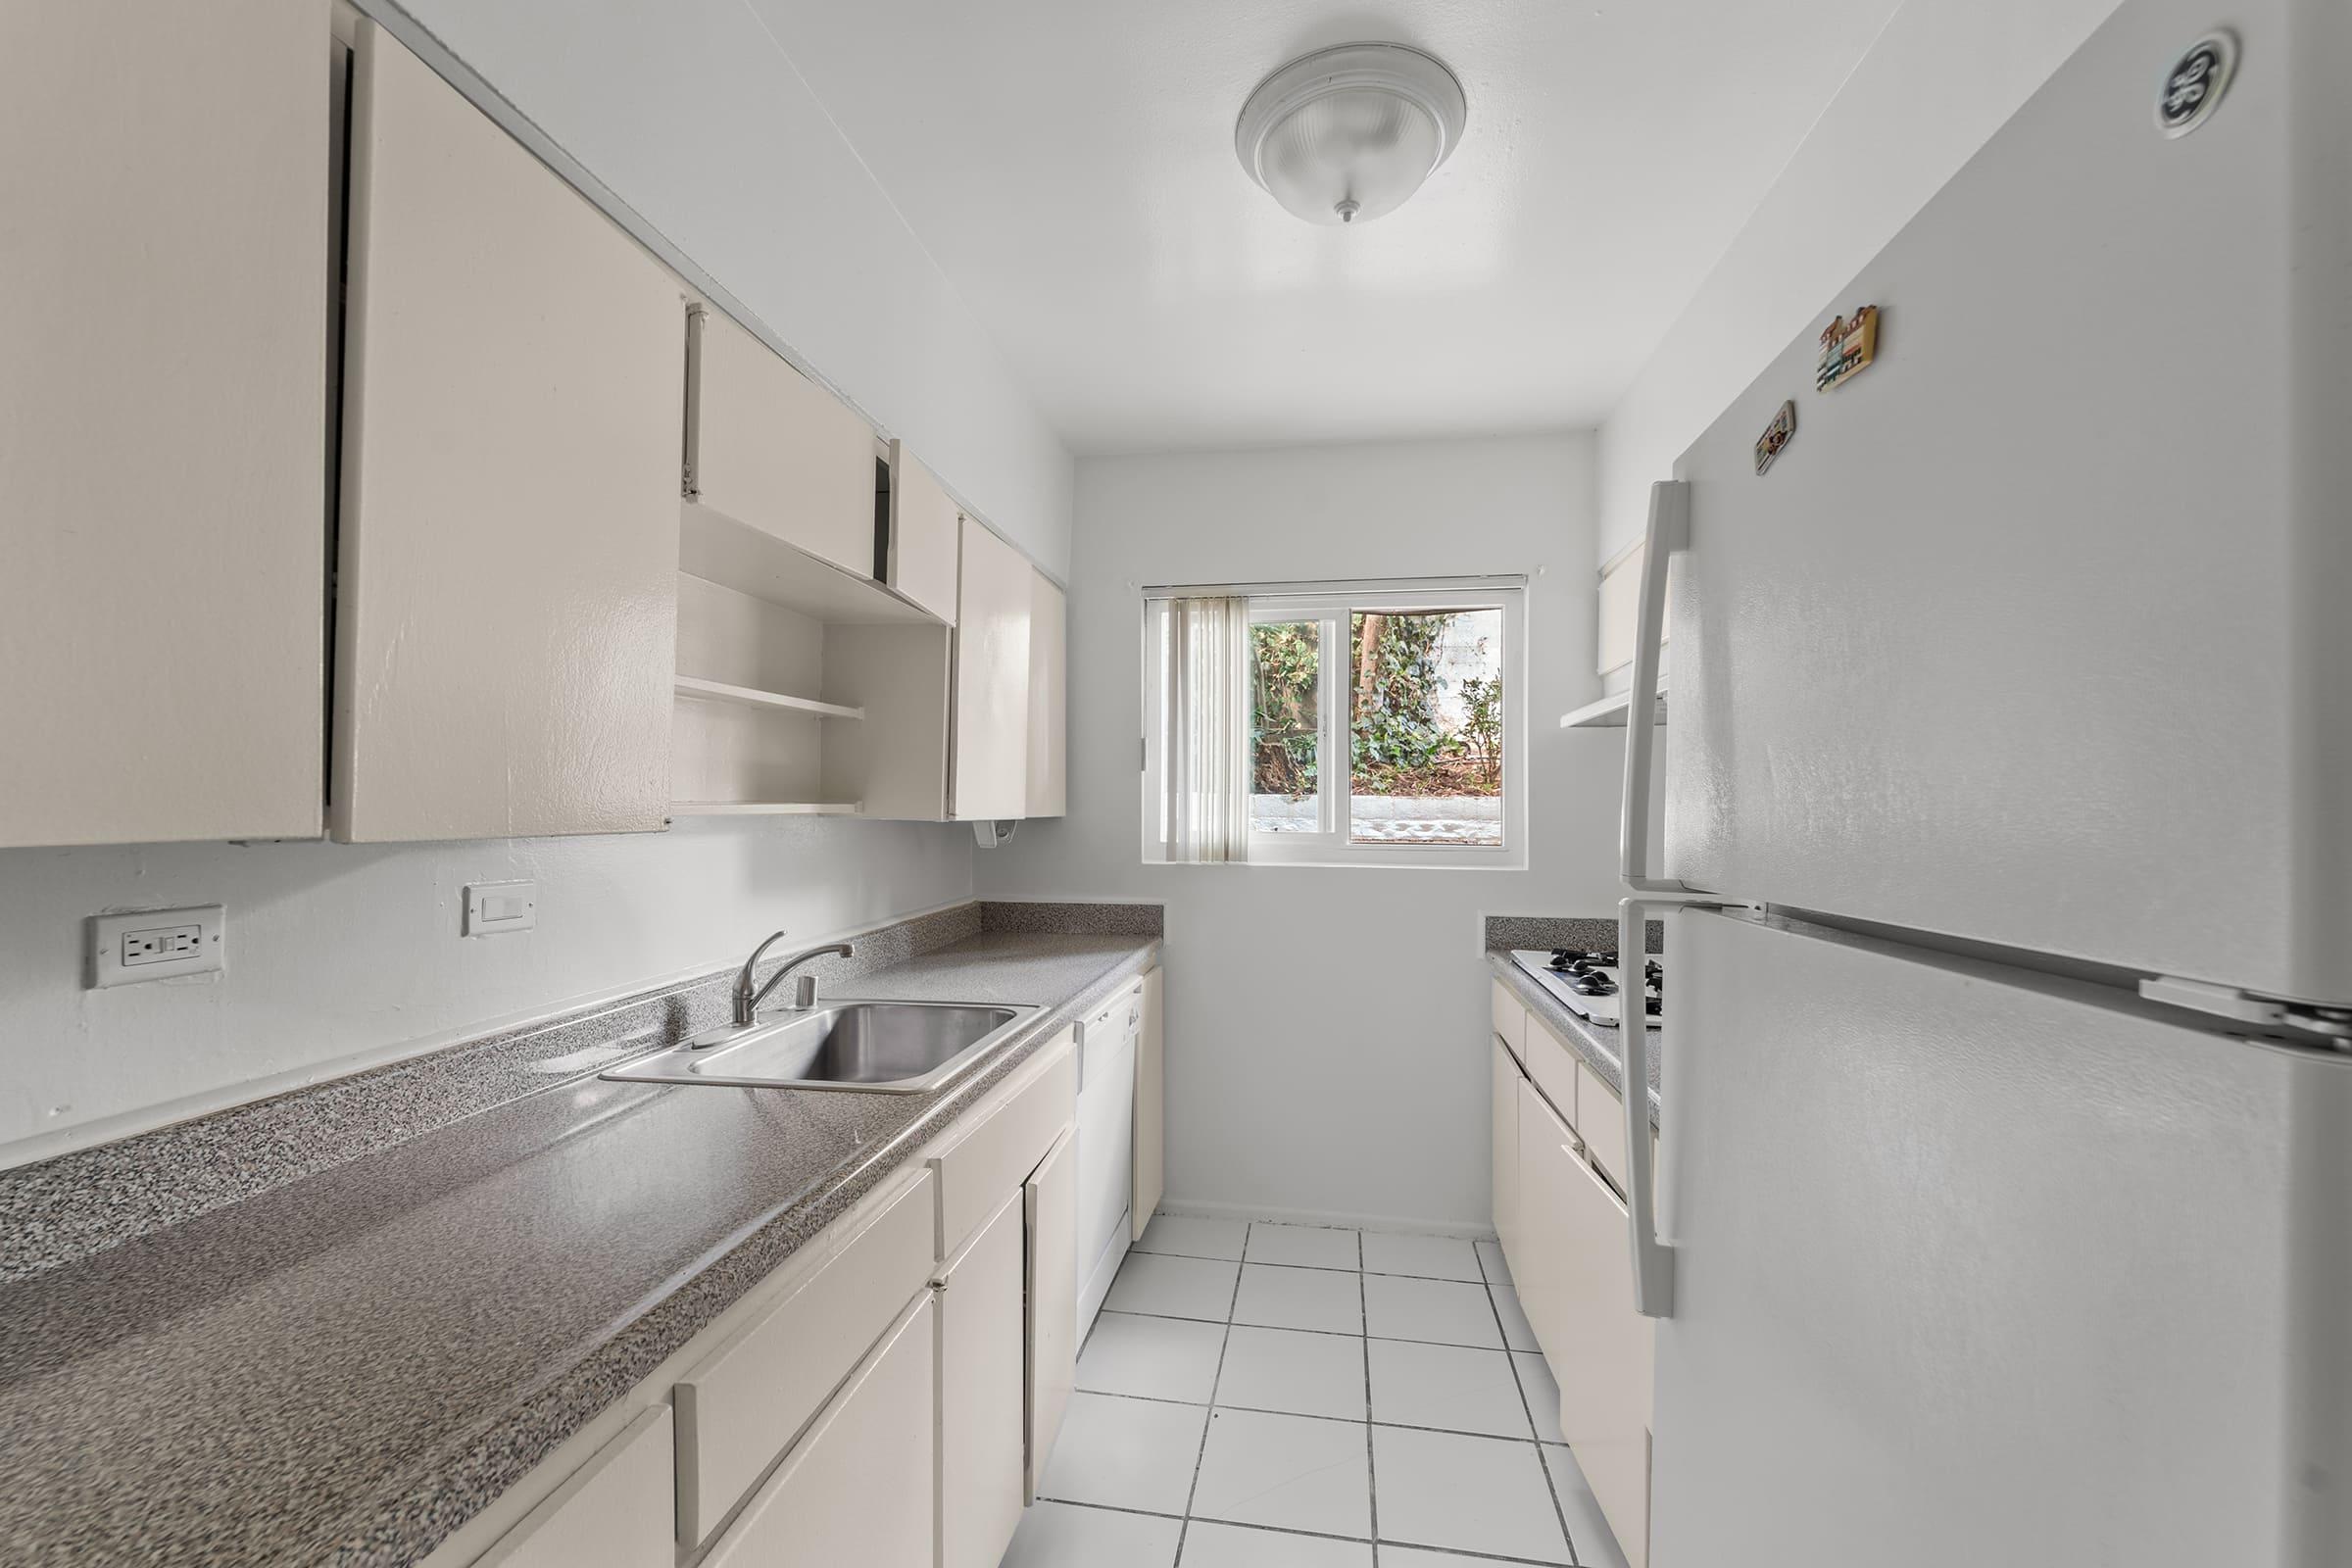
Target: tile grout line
1363, 1307
1309, 1534
1527, 1408
1364, 1337
1209, 1418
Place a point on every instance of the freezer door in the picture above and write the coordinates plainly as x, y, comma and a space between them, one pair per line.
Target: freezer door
2035, 632
1974, 1268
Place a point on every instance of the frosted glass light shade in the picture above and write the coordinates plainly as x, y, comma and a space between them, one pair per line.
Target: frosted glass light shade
1344, 136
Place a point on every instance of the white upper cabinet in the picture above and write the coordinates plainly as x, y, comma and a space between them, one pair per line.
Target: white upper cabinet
920, 557
991, 777
772, 450
1049, 699
165, 174
509, 541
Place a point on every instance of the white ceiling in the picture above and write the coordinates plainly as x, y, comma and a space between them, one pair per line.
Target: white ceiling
1069, 164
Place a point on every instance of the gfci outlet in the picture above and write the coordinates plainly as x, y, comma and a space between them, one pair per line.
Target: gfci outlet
157, 943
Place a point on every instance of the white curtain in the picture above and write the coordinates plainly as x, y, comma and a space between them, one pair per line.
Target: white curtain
1208, 743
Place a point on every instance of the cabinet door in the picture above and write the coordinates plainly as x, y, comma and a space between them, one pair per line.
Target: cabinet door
162, 420
982, 1385
858, 1486
773, 449
1151, 1119
925, 536
507, 587
1504, 1095
1049, 699
1050, 1203
1545, 1221
992, 679
1603, 1370
614, 1512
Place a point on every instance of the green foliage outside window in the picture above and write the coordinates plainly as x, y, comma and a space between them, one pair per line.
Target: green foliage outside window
1398, 743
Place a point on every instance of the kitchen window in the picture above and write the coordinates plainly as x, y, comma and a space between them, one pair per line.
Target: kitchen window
1368, 723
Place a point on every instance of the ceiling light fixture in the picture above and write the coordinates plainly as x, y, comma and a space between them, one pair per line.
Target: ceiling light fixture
1344, 136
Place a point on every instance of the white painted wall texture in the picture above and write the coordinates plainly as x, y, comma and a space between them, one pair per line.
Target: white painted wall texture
1326, 1052
693, 114
344, 956
1940, 79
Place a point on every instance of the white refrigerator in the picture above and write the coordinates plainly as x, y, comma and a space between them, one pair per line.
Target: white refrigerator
2004, 1200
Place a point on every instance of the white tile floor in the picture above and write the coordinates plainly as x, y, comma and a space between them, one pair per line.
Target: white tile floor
1269, 1396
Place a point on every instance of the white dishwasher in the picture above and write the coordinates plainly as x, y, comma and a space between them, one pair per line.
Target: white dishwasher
1107, 1043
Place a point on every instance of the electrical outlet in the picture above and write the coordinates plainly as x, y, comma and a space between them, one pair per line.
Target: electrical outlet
157, 943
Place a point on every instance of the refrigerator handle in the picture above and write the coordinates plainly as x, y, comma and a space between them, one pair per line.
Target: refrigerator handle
1653, 1259
1668, 535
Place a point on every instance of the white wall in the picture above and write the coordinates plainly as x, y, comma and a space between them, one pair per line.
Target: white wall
691, 113
1326, 1050
1939, 80
340, 955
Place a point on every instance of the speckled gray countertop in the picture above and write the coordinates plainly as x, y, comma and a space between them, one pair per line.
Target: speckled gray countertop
345, 1368
1601, 1048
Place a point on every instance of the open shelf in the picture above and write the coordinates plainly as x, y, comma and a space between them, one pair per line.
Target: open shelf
1610, 712
766, 808
718, 691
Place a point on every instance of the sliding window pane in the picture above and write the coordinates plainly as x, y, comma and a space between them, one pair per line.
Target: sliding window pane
1285, 754
1425, 727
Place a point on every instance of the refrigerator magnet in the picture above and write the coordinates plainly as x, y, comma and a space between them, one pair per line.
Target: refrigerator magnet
1848, 346
1777, 436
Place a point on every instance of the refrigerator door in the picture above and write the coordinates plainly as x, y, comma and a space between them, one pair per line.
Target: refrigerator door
1976, 1267
2036, 633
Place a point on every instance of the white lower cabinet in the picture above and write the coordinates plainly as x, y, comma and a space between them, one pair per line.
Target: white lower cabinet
858, 1486
1570, 1258
982, 1475
613, 1513
1604, 1369
1050, 1203
1546, 1156
1503, 1093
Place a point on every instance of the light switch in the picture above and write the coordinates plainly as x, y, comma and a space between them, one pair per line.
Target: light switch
492, 907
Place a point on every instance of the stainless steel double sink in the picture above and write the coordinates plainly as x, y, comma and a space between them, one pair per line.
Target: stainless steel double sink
891, 1048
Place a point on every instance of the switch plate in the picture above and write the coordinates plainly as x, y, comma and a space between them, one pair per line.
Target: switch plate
157, 943
492, 907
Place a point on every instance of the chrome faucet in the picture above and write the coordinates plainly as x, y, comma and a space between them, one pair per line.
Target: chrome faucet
747, 1001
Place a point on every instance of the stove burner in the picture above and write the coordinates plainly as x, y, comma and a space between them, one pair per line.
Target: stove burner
1569, 962
1652, 1005
1594, 985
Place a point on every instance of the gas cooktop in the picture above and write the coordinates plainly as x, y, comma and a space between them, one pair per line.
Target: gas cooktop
1591, 985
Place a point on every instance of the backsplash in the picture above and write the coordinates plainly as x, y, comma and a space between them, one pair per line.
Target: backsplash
1578, 933
70, 1206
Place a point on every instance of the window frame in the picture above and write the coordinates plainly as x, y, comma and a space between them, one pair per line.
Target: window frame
1332, 604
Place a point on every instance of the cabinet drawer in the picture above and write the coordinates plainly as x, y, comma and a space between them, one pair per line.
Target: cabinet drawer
613, 1512
742, 1406
1554, 1069
1600, 1122
990, 1160
1510, 1018
858, 1489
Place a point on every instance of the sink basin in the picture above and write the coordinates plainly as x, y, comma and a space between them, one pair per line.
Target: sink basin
882, 1047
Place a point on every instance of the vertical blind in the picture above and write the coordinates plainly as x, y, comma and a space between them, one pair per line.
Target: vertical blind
1208, 742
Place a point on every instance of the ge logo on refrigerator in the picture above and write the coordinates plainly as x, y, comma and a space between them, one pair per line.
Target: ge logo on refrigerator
2192, 87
